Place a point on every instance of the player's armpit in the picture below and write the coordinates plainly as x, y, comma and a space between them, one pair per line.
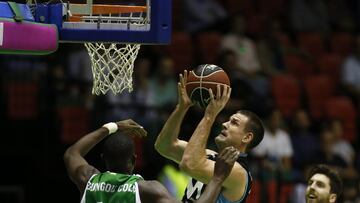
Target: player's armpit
154, 192
234, 185
173, 151
82, 175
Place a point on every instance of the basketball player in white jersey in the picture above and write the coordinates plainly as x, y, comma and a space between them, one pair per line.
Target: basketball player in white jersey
118, 183
243, 131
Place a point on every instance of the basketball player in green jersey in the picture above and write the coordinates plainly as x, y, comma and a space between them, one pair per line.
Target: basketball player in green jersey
324, 185
243, 131
118, 184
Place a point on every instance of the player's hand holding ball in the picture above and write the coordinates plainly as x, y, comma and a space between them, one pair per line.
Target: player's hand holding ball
183, 98
218, 101
206, 83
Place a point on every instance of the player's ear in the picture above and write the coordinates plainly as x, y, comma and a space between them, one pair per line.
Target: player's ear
332, 198
133, 159
248, 137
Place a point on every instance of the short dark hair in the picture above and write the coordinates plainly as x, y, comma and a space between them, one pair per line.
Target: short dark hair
335, 180
118, 150
254, 125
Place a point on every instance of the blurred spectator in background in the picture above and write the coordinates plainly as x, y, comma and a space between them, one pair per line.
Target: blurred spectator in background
351, 73
275, 151
202, 14
239, 94
341, 146
247, 68
163, 84
305, 142
133, 104
351, 193
344, 149
79, 64
309, 15
340, 15
327, 155
245, 49
271, 49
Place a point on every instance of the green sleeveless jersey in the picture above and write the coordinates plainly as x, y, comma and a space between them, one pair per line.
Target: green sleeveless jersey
111, 187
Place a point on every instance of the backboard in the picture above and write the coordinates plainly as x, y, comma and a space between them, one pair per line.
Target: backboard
89, 22
112, 33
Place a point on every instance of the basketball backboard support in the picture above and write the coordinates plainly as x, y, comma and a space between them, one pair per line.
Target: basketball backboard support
150, 24
111, 33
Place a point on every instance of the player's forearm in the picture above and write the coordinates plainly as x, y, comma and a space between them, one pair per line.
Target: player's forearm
195, 152
170, 132
211, 192
86, 143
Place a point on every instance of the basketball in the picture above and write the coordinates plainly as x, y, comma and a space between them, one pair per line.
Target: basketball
202, 78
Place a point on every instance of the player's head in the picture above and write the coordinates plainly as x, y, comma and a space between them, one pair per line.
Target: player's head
244, 130
239, 24
119, 153
324, 185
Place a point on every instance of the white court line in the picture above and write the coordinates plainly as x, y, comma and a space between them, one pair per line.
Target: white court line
1, 33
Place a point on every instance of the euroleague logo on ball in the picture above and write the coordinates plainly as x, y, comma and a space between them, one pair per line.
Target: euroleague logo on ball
202, 78
211, 67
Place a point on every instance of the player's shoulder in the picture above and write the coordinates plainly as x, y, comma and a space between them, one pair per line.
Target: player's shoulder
238, 183
150, 186
148, 183
152, 190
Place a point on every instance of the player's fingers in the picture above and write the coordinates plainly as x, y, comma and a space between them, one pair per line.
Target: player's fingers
181, 79
180, 92
229, 92
227, 152
134, 123
211, 94
218, 92
141, 132
234, 156
185, 75
224, 92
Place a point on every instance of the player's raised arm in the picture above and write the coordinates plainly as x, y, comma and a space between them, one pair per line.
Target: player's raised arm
195, 162
194, 158
167, 142
77, 167
154, 192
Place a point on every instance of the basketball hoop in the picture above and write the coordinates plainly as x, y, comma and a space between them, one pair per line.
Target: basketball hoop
112, 63
111, 33
112, 66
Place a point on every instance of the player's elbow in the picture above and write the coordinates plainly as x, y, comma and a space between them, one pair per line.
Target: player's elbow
160, 147
68, 154
188, 165
157, 145
163, 147
185, 167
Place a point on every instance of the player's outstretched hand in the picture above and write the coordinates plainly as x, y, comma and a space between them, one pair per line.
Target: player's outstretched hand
131, 128
183, 98
218, 101
225, 162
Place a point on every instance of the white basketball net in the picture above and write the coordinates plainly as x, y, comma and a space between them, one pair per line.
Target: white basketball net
112, 66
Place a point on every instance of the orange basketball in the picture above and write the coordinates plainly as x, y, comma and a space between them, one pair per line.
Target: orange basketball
202, 78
